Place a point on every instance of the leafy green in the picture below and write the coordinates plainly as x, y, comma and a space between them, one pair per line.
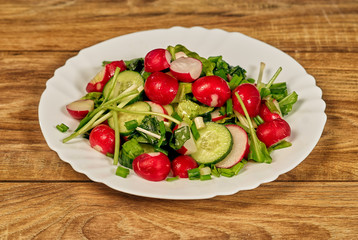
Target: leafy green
130, 150
136, 64
188, 110
151, 124
179, 137
184, 88
97, 97
258, 150
287, 103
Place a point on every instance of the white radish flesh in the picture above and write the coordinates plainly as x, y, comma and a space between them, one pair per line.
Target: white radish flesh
239, 148
186, 69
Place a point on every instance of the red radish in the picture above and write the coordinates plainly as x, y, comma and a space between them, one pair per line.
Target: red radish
102, 139
189, 146
216, 115
240, 147
251, 98
99, 81
181, 165
157, 108
157, 60
266, 114
152, 166
80, 108
211, 90
161, 88
186, 69
273, 132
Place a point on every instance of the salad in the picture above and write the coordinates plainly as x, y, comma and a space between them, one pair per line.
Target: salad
175, 114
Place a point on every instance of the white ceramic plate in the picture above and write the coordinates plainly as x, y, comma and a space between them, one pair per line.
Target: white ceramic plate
307, 119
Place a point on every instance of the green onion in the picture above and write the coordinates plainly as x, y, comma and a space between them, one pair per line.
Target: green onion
158, 149
162, 134
205, 177
229, 109
122, 172
131, 125
222, 111
214, 171
234, 82
117, 139
194, 174
226, 172
62, 127
237, 167
194, 131
171, 179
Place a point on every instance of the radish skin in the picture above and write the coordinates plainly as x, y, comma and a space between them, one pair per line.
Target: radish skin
239, 149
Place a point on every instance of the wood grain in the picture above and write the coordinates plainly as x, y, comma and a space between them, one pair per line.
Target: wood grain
42, 197
92, 211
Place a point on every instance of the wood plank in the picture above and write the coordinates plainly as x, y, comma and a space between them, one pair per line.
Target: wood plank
90, 210
303, 26
24, 147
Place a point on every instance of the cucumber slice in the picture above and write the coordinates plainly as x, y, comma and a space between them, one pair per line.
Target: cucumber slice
125, 117
125, 79
214, 144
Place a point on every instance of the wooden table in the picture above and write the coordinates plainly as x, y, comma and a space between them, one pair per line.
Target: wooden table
42, 197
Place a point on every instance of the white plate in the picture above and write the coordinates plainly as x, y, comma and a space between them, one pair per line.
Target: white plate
307, 119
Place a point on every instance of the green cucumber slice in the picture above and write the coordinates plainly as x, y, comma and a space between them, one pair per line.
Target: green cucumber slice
125, 117
125, 79
214, 144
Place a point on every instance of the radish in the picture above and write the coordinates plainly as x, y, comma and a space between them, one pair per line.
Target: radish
155, 107
251, 98
161, 88
212, 91
181, 165
157, 60
180, 55
186, 69
152, 166
216, 115
189, 146
102, 139
99, 81
266, 114
80, 108
240, 147
273, 132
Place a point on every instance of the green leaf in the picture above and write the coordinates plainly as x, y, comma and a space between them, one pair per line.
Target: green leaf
287, 103
258, 150
130, 150
179, 137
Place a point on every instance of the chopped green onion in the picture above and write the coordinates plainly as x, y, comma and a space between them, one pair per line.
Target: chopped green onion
214, 171
222, 111
62, 127
194, 174
122, 172
131, 125
205, 170
226, 172
194, 131
237, 167
117, 139
199, 122
162, 133
235, 81
171, 179
229, 109
205, 177
258, 120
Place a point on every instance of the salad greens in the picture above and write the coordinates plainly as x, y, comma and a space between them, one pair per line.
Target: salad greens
164, 131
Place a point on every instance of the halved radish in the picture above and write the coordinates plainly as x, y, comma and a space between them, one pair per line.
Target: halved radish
239, 148
186, 69
99, 81
155, 107
189, 146
157, 60
216, 115
80, 108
